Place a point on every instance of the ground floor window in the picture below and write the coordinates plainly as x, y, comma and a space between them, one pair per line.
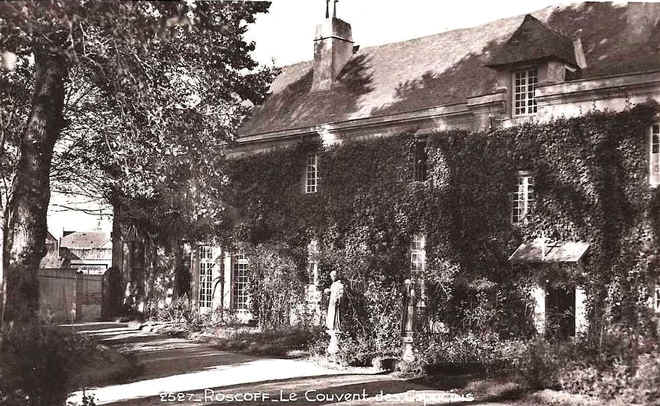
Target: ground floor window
240, 283
523, 197
205, 276
417, 255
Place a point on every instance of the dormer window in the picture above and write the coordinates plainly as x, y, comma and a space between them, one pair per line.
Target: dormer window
524, 85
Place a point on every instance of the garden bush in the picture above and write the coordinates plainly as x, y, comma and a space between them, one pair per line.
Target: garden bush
618, 367
181, 315
37, 364
279, 342
484, 353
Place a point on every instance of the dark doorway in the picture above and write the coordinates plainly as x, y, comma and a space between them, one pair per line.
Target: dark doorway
560, 311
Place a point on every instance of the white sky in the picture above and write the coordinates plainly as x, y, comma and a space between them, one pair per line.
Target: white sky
286, 32
285, 35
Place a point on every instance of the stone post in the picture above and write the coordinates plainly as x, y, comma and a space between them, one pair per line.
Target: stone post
581, 323
538, 295
408, 321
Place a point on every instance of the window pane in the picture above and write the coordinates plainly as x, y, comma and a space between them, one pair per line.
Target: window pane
417, 254
522, 198
524, 101
205, 282
311, 174
240, 283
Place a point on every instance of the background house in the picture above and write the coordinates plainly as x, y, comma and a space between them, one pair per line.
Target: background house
87, 251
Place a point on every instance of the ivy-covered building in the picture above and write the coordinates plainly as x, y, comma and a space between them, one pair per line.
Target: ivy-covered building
512, 163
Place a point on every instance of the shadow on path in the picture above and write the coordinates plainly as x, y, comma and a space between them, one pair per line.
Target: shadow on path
181, 372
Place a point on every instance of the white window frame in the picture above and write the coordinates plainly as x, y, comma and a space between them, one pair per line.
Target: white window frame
240, 282
206, 264
654, 155
523, 88
417, 255
312, 174
523, 197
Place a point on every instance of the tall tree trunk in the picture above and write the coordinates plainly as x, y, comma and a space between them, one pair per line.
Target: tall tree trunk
181, 281
3, 275
24, 243
116, 281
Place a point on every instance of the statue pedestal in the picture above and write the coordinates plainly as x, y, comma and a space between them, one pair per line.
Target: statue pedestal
408, 354
333, 346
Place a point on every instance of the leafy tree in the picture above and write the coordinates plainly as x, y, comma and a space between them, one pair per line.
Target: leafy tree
171, 80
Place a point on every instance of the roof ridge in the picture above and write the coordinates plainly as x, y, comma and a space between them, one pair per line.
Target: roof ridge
472, 27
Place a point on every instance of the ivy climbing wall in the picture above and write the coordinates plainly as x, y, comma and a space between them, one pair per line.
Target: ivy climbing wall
591, 184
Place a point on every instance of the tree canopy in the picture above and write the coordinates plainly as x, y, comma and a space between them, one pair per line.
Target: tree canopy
130, 100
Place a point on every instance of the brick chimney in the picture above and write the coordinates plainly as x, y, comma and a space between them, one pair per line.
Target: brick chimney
333, 47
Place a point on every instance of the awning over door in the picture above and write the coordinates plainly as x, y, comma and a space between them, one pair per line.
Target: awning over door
544, 251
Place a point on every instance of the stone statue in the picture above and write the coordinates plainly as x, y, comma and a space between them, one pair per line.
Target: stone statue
336, 290
333, 318
408, 310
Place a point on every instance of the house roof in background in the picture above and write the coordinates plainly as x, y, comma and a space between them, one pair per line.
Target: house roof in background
449, 67
87, 240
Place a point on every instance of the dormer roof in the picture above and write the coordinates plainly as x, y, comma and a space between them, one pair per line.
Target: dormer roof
533, 41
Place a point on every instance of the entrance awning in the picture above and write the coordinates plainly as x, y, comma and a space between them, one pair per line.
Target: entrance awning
552, 252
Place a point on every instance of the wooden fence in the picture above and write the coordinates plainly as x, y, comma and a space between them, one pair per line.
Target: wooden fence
67, 296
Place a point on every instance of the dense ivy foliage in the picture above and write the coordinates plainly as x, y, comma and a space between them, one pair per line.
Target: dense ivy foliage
591, 177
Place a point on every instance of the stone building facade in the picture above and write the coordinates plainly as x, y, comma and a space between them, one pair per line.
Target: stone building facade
557, 62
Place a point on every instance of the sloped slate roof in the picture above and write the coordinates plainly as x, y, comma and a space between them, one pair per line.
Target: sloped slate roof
534, 41
87, 240
449, 67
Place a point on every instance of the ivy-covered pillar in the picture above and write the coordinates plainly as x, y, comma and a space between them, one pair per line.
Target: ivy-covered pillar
226, 286
581, 323
538, 296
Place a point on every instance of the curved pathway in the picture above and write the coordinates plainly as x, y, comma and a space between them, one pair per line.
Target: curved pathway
181, 372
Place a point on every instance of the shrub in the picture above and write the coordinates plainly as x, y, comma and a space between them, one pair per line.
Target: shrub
539, 365
37, 363
618, 367
470, 352
270, 342
182, 316
276, 285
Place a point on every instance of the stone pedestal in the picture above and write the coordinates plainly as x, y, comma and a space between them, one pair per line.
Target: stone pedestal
408, 354
333, 346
